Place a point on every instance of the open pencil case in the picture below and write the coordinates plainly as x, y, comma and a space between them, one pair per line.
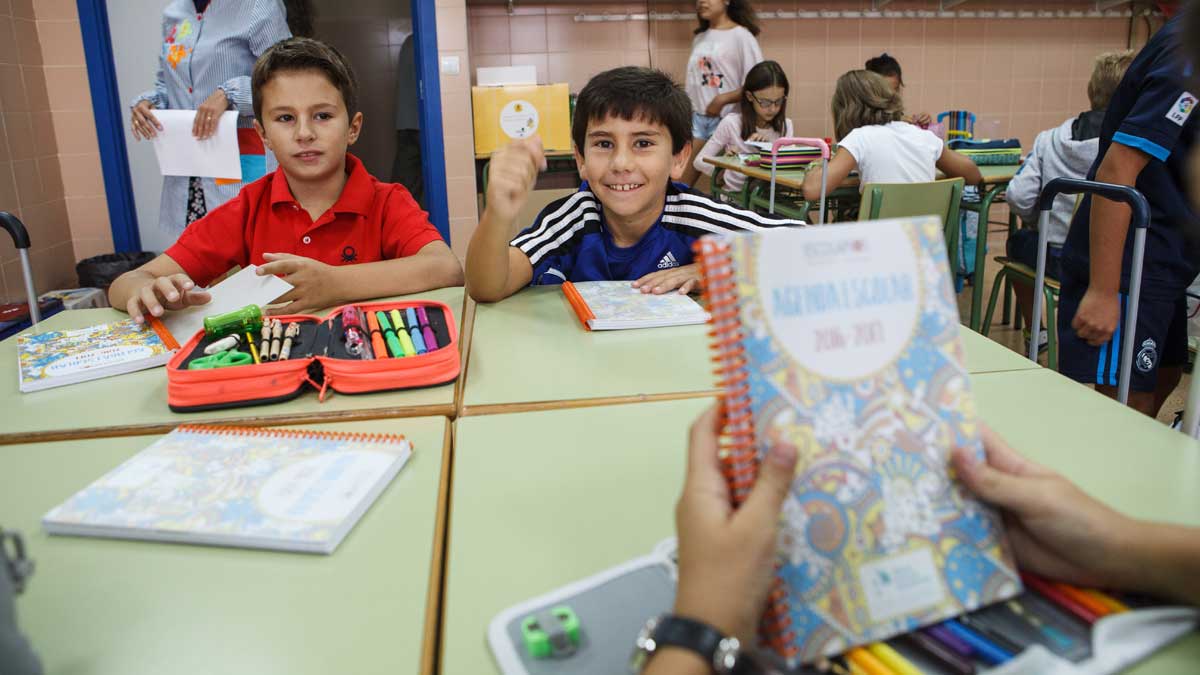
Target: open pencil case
319, 358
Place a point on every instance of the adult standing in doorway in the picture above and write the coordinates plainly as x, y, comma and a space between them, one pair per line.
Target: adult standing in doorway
208, 50
723, 52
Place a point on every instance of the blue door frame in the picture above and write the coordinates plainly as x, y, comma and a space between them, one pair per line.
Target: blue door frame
108, 112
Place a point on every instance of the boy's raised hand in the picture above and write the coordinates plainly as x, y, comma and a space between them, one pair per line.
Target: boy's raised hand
313, 282
175, 291
512, 171
684, 280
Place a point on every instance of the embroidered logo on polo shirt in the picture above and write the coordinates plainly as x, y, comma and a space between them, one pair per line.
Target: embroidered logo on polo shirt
668, 261
1147, 356
1182, 108
349, 255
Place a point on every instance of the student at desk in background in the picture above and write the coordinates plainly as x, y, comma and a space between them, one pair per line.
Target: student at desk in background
761, 117
867, 116
1066, 151
628, 221
886, 65
313, 218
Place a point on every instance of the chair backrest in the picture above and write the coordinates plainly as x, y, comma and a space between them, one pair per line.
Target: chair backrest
940, 198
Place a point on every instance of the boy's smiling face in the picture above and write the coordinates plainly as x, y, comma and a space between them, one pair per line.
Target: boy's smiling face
306, 125
627, 163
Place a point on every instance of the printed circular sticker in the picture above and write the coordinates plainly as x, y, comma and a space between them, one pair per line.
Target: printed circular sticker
519, 119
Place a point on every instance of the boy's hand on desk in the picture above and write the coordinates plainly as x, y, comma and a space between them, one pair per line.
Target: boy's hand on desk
314, 282
1097, 316
686, 279
142, 122
512, 172
726, 555
163, 293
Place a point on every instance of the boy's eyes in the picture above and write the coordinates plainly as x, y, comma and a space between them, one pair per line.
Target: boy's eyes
640, 143
285, 117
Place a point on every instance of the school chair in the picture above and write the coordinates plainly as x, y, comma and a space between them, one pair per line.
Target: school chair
788, 203
740, 198
903, 200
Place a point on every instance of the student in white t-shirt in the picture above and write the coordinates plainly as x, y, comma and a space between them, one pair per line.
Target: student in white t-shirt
762, 117
723, 52
867, 118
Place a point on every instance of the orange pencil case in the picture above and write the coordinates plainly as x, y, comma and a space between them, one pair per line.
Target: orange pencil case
319, 359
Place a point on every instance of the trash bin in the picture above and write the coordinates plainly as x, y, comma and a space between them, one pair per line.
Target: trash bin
100, 271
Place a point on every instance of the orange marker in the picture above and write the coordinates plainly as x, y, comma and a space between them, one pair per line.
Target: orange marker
1099, 608
1116, 606
377, 345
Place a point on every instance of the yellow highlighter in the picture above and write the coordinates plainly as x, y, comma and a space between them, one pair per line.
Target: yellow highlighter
868, 662
402, 333
893, 659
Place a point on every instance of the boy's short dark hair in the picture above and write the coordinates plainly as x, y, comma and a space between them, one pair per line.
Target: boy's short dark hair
632, 92
301, 53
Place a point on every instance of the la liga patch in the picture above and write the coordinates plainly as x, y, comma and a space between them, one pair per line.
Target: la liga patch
1182, 108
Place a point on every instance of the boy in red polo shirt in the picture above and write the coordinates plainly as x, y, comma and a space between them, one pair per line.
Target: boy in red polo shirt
320, 221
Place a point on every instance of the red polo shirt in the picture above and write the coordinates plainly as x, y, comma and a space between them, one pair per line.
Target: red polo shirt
370, 221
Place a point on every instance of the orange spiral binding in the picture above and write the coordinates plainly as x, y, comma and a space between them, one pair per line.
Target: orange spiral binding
739, 461
290, 433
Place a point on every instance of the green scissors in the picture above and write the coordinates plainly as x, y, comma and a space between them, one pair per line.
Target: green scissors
229, 357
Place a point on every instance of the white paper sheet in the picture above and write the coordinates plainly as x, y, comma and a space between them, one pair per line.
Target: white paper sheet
239, 290
180, 154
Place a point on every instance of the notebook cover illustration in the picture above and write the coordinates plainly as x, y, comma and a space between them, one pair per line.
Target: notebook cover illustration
617, 304
261, 488
61, 357
852, 355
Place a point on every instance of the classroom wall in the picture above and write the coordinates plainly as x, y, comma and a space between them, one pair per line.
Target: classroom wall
1020, 76
50, 174
459, 135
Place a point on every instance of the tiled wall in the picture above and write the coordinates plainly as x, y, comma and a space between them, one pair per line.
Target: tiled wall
459, 136
369, 33
1019, 76
50, 174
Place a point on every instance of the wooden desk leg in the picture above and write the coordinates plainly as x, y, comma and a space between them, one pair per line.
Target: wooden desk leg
985, 206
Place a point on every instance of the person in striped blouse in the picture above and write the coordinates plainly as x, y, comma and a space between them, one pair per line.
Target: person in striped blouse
628, 221
208, 49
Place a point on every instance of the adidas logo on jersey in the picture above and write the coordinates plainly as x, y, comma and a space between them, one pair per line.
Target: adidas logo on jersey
668, 261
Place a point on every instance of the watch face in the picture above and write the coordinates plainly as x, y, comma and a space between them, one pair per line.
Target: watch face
726, 656
644, 646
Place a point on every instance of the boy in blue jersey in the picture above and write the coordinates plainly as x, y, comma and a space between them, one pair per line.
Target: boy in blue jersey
1147, 135
628, 221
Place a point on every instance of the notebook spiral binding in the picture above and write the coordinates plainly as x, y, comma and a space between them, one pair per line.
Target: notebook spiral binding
737, 452
290, 433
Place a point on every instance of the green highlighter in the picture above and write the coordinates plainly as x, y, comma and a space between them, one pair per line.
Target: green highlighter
389, 334
402, 334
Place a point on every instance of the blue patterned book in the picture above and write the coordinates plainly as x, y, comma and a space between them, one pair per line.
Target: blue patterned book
235, 486
843, 342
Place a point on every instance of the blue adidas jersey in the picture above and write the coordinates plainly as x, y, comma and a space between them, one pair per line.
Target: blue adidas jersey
1153, 111
569, 242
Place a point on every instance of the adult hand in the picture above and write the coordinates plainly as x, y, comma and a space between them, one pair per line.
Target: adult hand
1097, 316
314, 282
512, 172
142, 122
685, 278
726, 556
1056, 529
170, 292
204, 125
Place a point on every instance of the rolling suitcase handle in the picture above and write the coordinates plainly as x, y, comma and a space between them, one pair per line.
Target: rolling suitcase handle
796, 140
20, 237
1139, 221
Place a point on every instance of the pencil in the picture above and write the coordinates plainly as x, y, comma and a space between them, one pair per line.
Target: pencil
253, 351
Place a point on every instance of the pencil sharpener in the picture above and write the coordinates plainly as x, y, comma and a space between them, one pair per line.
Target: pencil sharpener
552, 633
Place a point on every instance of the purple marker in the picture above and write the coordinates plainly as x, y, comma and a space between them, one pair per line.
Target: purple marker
949, 639
427, 332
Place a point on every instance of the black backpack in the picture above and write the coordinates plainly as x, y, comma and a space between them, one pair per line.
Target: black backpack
16, 655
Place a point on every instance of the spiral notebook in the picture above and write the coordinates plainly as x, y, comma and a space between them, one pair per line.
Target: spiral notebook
231, 486
843, 342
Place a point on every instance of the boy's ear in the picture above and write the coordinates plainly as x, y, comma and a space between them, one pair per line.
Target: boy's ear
679, 161
356, 123
262, 133
579, 161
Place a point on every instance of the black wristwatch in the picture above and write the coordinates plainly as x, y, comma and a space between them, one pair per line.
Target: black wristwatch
725, 653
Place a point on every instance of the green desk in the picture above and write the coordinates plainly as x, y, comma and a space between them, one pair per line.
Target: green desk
618, 470
136, 403
529, 352
106, 606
